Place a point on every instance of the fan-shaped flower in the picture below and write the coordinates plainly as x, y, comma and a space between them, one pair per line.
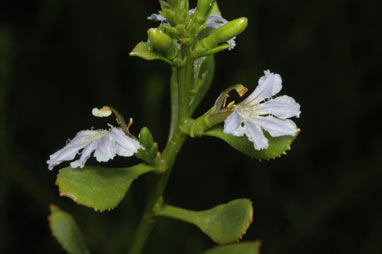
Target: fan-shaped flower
259, 112
105, 144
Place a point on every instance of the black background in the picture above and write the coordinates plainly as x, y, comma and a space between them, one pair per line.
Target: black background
59, 59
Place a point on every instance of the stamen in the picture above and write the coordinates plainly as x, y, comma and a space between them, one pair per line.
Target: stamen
107, 110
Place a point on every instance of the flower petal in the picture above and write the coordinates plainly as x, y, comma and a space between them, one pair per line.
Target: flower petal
256, 136
68, 152
124, 145
85, 155
105, 149
276, 127
232, 123
283, 107
269, 85
157, 17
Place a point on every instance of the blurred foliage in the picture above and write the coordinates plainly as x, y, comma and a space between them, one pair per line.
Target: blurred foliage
59, 59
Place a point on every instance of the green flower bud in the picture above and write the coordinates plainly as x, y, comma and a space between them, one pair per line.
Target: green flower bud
202, 12
162, 42
159, 39
203, 8
224, 33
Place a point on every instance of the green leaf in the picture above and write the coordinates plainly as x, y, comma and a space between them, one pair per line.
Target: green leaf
237, 248
66, 231
99, 188
150, 151
144, 51
224, 223
277, 146
204, 69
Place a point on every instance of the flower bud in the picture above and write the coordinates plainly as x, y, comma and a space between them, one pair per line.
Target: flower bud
159, 39
203, 8
162, 42
224, 33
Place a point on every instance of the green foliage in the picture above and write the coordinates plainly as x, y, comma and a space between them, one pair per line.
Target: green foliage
183, 42
150, 152
237, 248
143, 50
175, 11
224, 223
210, 44
96, 187
162, 42
66, 231
204, 69
277, 146
200, 17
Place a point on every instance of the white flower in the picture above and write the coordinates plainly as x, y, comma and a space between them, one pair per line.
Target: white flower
214, 22
105, 144
260, 112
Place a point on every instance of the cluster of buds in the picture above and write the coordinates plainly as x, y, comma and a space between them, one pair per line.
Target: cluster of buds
202, 30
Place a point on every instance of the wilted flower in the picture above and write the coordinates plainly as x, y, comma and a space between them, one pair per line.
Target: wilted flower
260, 112
105, 144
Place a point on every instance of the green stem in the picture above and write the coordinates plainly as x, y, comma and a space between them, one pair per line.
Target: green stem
180, 104
174, 87
184, 82
179, 213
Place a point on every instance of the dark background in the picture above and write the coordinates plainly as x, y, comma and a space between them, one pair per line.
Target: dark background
59, 59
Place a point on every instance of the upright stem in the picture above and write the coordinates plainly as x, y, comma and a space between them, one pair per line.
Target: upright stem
179, 104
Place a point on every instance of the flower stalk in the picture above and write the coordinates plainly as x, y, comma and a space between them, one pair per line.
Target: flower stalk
179, 104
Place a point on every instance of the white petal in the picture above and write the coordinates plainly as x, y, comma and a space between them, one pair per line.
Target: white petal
105, 149
157, 17
68, 152
124, 145
283, 107
65, 154
84, 156
256, 136
276, 127
269, 85
215, 21
232, 123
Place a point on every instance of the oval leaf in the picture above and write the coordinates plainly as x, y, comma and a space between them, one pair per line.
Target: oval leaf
224, 223
277, 146
66, 231
143, 50
237, 248
96, 187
